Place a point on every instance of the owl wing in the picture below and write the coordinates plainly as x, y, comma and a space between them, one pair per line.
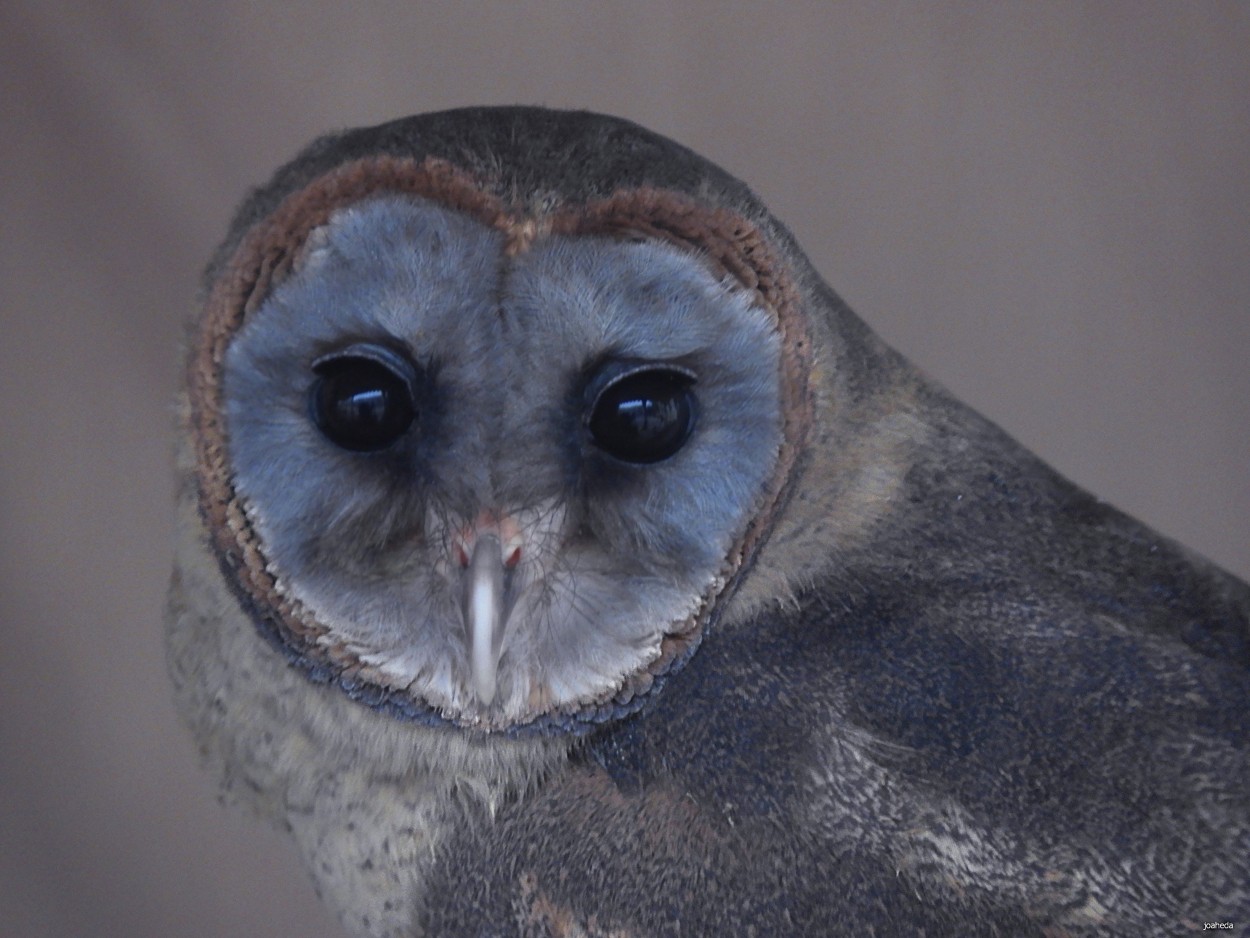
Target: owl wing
1024, 749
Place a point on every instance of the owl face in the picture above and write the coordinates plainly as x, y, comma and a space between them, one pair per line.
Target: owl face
488, 477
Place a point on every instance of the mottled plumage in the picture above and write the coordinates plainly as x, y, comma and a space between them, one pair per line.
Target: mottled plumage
560, 556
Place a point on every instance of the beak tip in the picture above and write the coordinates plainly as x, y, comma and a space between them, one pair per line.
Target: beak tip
485, 683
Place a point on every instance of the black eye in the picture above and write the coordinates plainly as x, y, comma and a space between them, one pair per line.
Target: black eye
644, 416
362, 399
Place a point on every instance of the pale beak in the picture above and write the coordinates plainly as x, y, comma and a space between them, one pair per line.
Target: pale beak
485, 612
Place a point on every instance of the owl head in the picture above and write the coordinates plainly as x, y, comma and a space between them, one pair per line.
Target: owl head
492, 410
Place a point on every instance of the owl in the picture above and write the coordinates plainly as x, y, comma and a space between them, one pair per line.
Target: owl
559, 556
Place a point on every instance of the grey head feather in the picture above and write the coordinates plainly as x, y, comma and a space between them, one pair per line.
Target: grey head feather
506, 353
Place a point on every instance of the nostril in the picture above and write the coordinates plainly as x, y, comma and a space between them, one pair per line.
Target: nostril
513, 558
461, 556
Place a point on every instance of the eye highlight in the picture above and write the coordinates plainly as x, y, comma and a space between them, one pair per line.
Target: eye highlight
363, 398
643, 416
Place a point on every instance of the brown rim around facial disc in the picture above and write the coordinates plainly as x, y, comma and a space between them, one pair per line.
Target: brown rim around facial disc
265, 257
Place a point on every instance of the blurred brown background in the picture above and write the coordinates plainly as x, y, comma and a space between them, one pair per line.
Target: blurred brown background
1046, 206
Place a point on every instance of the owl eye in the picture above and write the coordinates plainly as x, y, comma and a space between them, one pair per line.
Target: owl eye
363, 398
643, 416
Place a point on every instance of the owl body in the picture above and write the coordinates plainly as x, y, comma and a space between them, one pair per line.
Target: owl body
560, 556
